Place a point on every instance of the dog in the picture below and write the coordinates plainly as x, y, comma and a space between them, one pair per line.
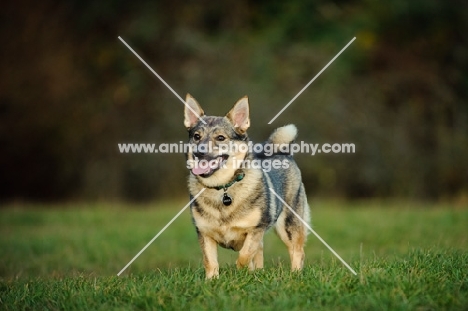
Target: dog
237, 206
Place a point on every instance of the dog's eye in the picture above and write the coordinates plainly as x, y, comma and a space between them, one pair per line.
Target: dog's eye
196, 136
220, 138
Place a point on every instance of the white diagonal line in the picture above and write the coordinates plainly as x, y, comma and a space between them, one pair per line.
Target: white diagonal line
162, 80
315, 233
310, 82
162, 230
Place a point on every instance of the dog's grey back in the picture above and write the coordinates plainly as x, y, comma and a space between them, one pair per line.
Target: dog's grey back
286, 180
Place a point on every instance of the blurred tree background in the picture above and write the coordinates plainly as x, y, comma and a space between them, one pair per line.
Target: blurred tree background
70, 91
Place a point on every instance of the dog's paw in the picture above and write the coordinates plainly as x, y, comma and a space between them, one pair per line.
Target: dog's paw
213, 274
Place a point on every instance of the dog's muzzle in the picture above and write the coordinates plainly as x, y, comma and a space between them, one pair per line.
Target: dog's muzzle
204, 165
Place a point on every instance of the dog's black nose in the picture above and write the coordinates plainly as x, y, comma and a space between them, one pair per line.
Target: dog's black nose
202, 150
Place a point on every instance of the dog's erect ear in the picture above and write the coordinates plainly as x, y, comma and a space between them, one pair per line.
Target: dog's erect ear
239, 115
192, 112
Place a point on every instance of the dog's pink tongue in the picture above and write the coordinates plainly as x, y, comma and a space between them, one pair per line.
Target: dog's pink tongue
199, 170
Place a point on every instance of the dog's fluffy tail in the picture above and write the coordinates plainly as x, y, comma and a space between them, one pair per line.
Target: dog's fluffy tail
283, 135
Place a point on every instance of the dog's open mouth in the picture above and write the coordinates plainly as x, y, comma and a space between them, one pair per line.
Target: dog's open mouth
207, 166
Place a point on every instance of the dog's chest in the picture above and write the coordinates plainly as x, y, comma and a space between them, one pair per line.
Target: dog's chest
228, 229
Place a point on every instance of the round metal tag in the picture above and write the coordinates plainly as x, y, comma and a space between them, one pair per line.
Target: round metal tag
227, 200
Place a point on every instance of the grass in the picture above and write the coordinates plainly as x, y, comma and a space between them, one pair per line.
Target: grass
408, 257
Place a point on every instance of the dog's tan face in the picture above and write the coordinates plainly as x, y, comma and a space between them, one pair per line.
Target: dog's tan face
221, 142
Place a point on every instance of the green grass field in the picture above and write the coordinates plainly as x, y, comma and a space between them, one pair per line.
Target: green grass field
408, 257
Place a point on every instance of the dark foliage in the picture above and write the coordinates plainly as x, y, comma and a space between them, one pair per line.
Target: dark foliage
70, 91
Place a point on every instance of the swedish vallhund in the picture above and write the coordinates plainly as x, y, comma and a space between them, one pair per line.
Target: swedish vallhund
237, 206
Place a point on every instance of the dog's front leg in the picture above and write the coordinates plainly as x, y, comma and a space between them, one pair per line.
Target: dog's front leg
252, 249
209, 249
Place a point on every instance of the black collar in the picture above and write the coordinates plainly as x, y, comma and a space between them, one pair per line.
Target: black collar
239, 176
